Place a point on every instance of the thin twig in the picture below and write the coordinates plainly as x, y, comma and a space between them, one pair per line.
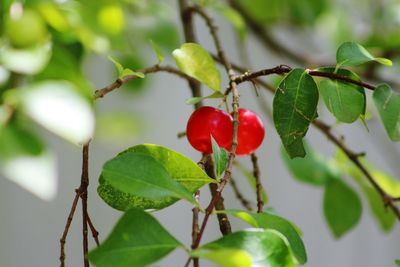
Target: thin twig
153, 69
95, 233
259, 187
84, 194
245, 203
195, 225
66, 228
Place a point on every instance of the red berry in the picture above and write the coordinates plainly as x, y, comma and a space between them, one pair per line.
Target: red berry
250, 132
207, 121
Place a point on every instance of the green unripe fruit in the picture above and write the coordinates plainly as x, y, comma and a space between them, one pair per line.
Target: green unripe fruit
26, 30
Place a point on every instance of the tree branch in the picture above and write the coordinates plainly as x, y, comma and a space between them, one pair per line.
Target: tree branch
84, 194
259, 188
153, 69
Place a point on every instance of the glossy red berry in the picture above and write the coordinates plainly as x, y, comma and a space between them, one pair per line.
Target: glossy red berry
250, 132
207, 121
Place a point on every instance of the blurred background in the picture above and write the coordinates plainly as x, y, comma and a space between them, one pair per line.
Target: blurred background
153, 110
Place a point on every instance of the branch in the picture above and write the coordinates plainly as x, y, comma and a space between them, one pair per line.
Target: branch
153, 69
83, 194
388, 200
195, 226
245, 203
259, 187
235, 106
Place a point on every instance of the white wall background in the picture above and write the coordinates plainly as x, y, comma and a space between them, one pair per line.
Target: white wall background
30, 229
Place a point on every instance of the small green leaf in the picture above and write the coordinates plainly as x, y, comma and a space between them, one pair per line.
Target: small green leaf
265, 247
388, 106
234, 17
294, 108
312, 169
157, 51
225, 257
344, 100
137, 240
25, 160
220, 157
183, 174
117, 65
57, 106
122, 72
274, 222
397, 262
195, 100
342, 207
352, 54
196, 62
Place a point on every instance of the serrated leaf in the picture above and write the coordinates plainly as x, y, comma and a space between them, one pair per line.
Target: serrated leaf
388, 106
157, 51
58, 107
353, 54
137, 240
195, 100
25, 160
265, 247
294, 108
271, 221
226, 257
220, 157
342, 207
180, 168
196, 62
345, 101
383, 216
312, 169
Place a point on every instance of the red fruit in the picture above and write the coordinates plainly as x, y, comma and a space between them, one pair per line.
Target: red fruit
207, 121
250, 132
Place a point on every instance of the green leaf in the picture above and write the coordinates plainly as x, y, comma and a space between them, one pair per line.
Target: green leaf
196, 62
137, 240
251, 180
265, 247
226, 257
342, 207
388, 106
25, 160
195, 100
383, 216
312, 169
274, 222
234, 17
352, 54
185, 173
122, 72
157, 51
220, 157
345, 101
58, 107
397, 262
294, 108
